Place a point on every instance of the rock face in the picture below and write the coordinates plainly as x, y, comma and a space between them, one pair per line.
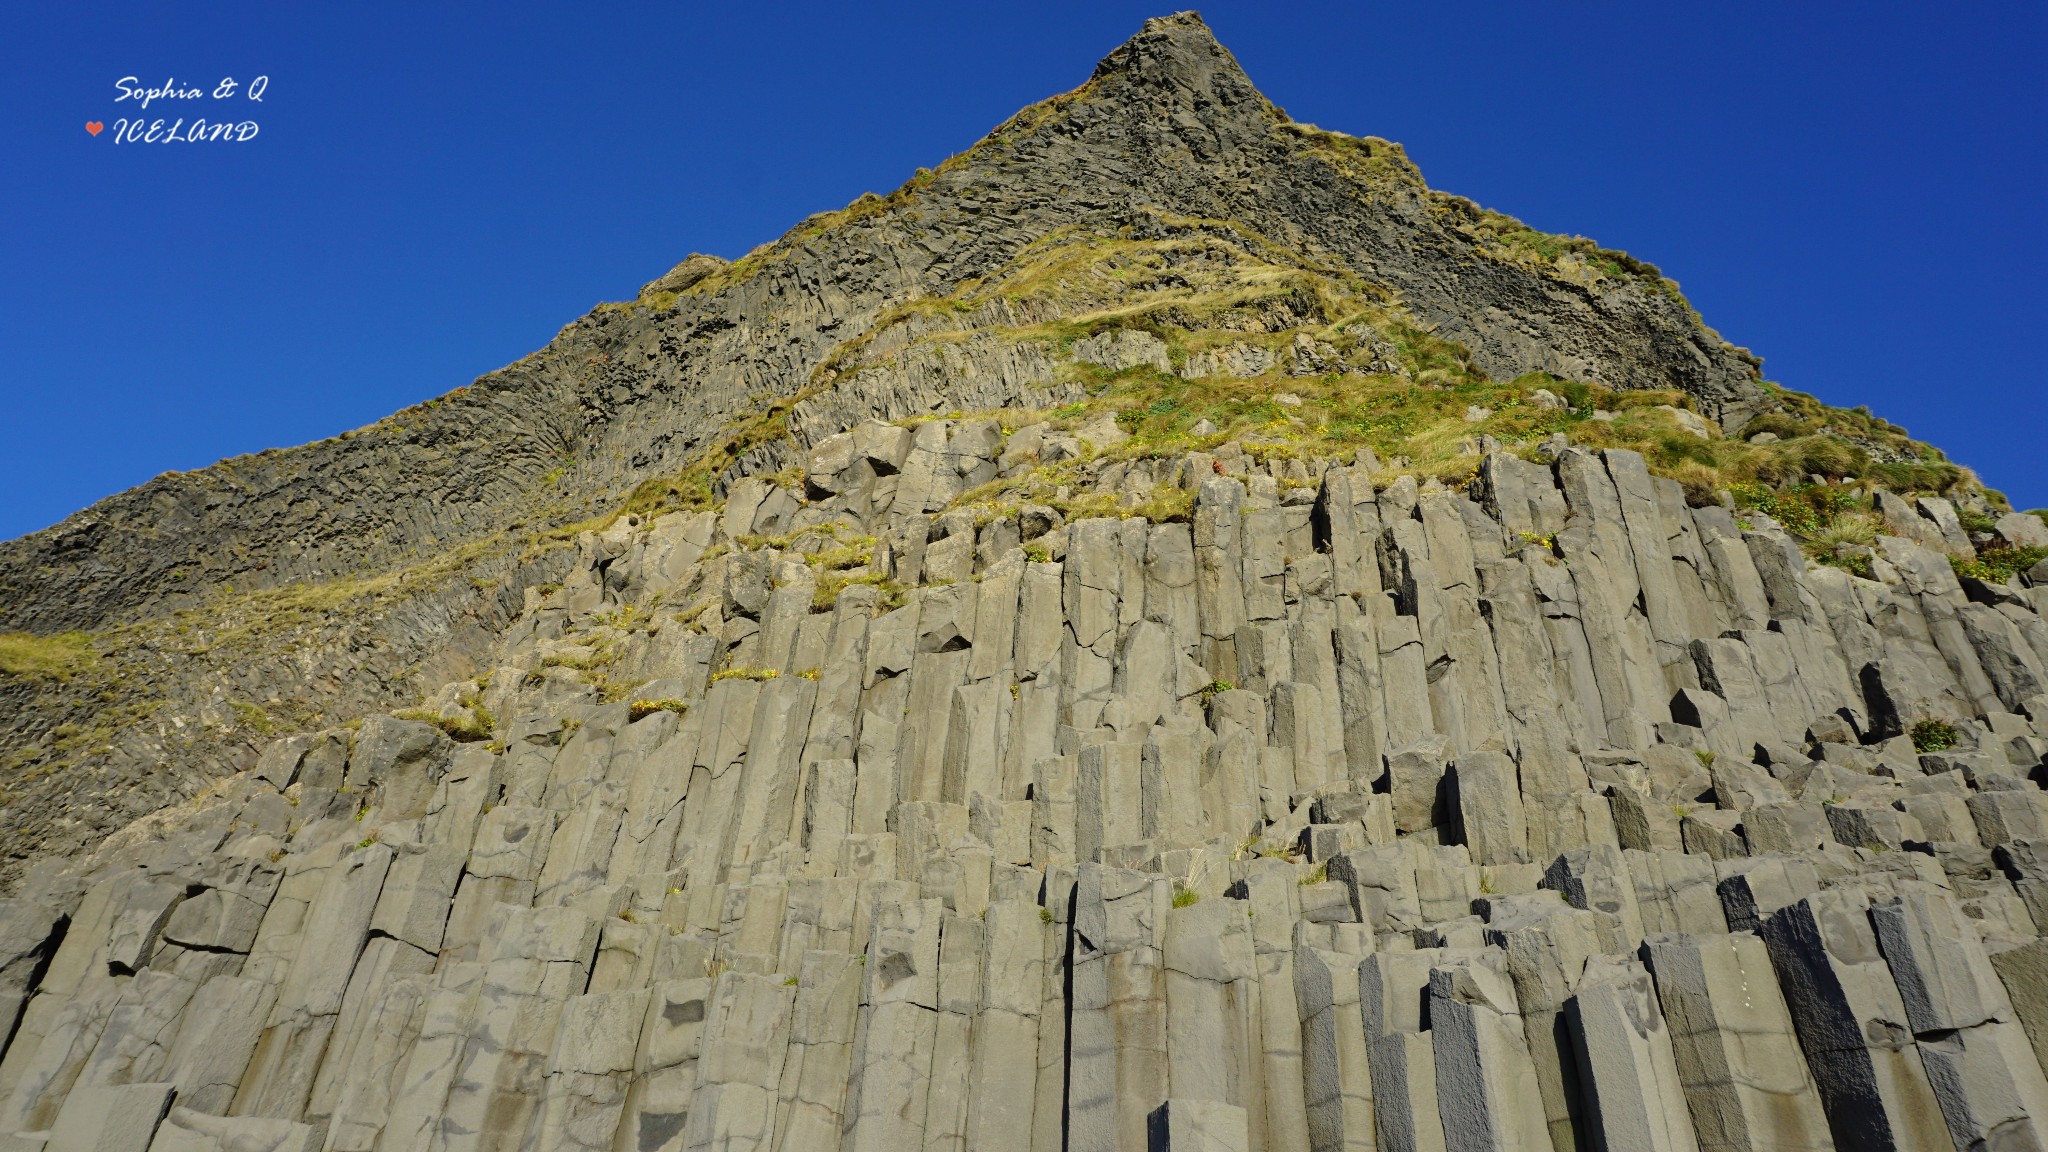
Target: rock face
430, 513
970, 782
1432, 834
1169, 123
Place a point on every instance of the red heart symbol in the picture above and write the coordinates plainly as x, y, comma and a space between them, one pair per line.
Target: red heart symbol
94, 126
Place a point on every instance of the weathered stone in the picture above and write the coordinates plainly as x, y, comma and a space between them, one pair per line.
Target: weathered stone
1990, 1087
1753, 890
1486, 1083
2005, 816
1597, 879
1644, 823
1337, 1082
1986, 1078
1630, 1069
2024, 972
1404, 1092
1490, 808
114, 1118
1676, 893
1197, 1126
1792, 826
745, 1041
400, 755
211, 1054
1943, 976
1714, 834
188, 1130
1416, 772
1732, 1037
1878, 828
1852, 1023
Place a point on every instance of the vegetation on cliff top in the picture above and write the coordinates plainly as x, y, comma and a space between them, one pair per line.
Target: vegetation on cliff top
1262, 350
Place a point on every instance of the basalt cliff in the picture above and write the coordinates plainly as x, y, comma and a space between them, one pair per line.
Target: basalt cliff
1163, 632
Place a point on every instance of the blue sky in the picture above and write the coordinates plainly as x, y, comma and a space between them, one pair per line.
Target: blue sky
1853, 191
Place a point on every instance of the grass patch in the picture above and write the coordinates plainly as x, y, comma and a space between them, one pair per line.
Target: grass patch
1368, 159
1830, 521
1854, 563
1563, 257
642, 709
598, 658
690, 490
831, 584
1934, 736
475, 724
1997, 565
611, 690
51, 658
253, 717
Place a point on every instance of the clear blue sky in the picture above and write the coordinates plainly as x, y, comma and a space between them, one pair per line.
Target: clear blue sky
1853, 191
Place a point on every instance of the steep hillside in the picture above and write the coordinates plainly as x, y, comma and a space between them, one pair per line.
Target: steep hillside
413, 539
1162, 632
1168, 123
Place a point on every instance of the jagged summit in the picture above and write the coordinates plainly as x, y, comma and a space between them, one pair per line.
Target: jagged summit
1177, 59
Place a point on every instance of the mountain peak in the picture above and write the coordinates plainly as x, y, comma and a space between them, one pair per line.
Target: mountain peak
1175, 54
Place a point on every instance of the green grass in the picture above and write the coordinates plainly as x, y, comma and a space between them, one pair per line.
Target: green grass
48, 658
253, 717
1200, 285
1803, 509
1856, 564
690, 489
1418, 415
1997, 565
1506, 238
1934, 736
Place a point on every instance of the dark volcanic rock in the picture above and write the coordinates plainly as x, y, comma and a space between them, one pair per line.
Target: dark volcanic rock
1168, 123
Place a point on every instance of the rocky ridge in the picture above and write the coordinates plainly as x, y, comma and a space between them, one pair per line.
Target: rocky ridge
1168, 123
636, 392
1172, 678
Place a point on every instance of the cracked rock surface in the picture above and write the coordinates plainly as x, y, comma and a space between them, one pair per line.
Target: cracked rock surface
965, 767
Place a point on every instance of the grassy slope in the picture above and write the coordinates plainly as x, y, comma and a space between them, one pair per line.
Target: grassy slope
1210, 285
